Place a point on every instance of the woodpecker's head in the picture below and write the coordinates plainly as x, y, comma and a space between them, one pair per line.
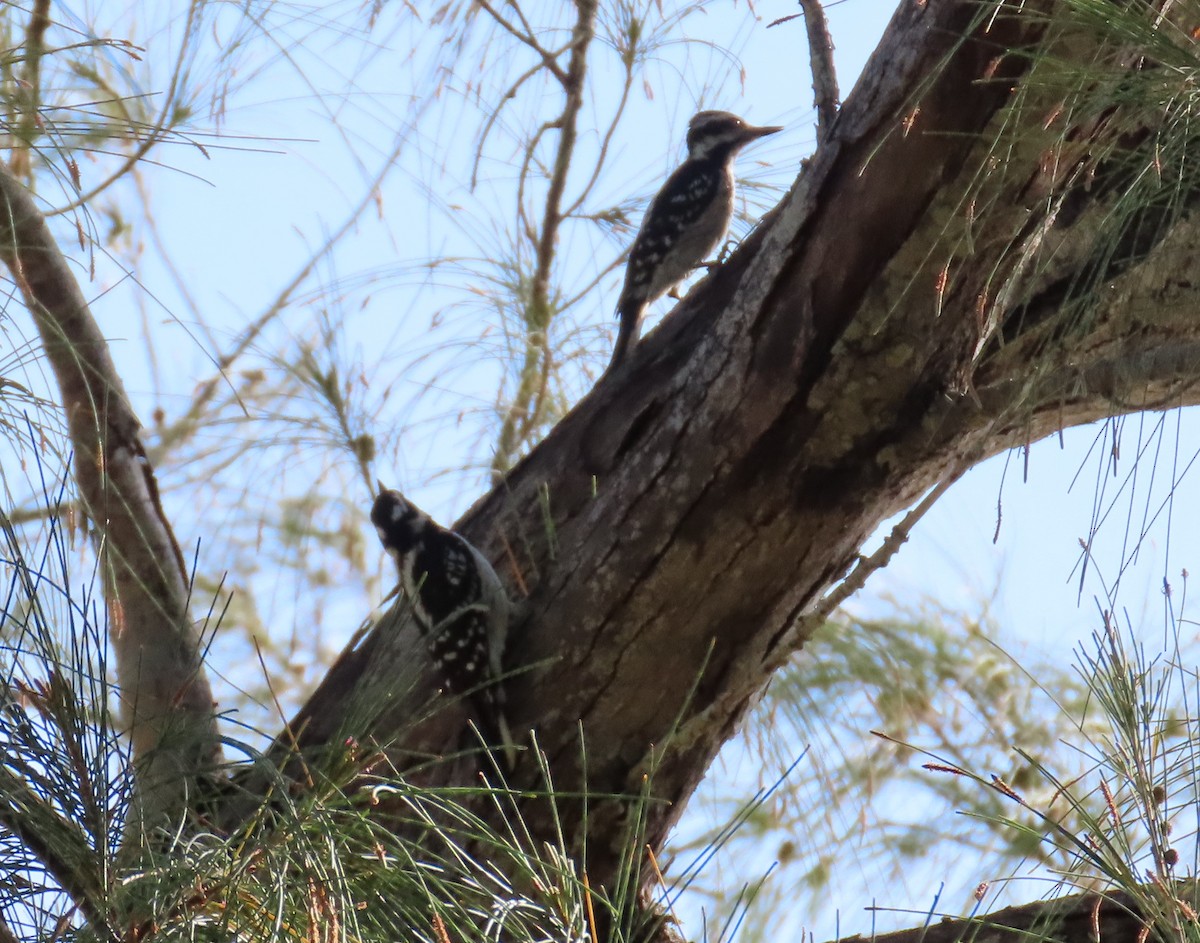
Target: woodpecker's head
721, 134
397, 520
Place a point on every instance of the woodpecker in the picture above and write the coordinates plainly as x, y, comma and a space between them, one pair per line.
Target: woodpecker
686, 220
458, 604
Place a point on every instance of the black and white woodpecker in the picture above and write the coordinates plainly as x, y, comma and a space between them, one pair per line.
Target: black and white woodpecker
686, 221
459, 606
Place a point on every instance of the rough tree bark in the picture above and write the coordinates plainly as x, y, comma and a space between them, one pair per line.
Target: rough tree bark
904, 313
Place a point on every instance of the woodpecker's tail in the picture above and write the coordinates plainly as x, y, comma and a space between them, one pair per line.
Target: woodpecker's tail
491, 726
627, 333
507, 744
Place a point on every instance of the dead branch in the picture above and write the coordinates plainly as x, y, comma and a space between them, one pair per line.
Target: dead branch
820, 56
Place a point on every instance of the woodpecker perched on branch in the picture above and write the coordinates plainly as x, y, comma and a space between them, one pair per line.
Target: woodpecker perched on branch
458, 604
686, 221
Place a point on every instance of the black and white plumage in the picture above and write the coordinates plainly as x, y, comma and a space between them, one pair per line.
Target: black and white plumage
686, 221
458, 604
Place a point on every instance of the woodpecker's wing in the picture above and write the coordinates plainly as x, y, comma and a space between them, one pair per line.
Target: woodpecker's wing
687, 196
459, 647
446, 575
493, 596
462, 650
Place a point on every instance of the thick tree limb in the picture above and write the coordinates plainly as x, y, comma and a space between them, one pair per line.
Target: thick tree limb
164, 691
903, 313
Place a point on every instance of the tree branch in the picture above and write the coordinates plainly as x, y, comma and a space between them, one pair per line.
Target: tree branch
190, 419
870, 339
857, 578
29, 98
6, 934
533, 378
549, 60
1080, 917
824, 76
58, 845
164, 691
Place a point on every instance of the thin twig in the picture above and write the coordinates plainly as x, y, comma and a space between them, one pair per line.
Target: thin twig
30, 96
857, 577
526, 408
527, 38
158, 130
526, 224
6, 934
190, 420
59, 846
509, 94
605, 143
288, 734
820, 54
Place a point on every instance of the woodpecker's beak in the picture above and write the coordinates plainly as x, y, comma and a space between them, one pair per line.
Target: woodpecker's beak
752, 133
